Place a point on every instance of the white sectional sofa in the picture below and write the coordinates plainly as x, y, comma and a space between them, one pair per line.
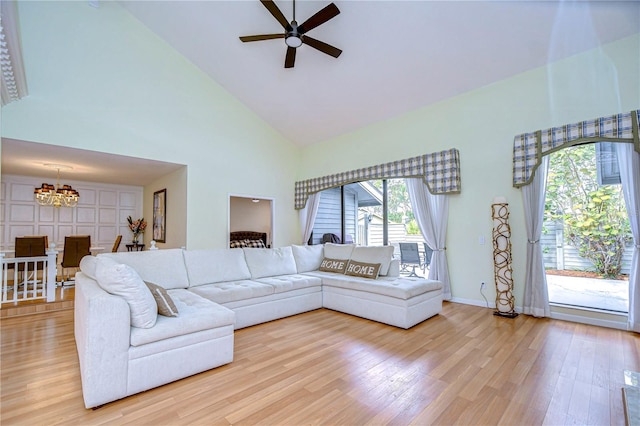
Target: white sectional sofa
125, 347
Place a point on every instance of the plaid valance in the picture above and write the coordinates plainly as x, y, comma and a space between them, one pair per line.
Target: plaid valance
529, 148
440, 172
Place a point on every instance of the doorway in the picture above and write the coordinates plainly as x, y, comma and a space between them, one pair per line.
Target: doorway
251, 213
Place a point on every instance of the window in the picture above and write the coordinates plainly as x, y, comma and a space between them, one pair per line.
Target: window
358, 211
607, 164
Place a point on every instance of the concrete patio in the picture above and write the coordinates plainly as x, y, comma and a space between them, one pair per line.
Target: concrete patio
610, 295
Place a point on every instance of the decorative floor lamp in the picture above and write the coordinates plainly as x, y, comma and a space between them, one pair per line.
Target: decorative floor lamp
502, 259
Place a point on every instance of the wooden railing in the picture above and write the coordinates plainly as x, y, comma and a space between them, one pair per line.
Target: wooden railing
28, 278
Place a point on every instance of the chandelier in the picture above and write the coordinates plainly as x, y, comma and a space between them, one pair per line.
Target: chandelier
57, 196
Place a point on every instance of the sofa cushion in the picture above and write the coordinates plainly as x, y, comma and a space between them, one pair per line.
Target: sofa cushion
362, 269
374, 254
284, 283
308, 258
337, 266
402, 288
270, 262
163, 267
196, 314
166, 307
232, 291
215, 266
122, 280
338, 251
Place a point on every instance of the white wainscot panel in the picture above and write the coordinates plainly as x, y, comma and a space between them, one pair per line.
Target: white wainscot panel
64, 231
20, 231
106, 233
128, 199
22, 213
21, 192
46, 230
87, 197
65, 215
3, 191
45, 213
108, 198
125, 213
87, 230
85, 215
125, 232
107, 216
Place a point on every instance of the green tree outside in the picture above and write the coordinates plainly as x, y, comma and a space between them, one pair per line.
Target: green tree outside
399, 205
594, 216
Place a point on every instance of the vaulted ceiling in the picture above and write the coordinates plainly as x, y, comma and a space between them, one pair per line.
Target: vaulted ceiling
397, 55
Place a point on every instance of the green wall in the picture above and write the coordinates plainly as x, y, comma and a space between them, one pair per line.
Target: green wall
100, 80
481, 124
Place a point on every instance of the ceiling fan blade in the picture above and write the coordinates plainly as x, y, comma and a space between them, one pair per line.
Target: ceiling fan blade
322, 46
273, 9
290, 58
322, 16
261, 37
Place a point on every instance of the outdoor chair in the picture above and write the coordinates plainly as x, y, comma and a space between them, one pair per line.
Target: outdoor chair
428, 252
331, 238
409, 256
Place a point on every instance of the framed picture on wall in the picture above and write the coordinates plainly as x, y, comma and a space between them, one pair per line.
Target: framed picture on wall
160, 215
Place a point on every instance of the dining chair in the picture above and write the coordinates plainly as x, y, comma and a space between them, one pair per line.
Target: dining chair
75, 248
30, 246
116, 244
410, 256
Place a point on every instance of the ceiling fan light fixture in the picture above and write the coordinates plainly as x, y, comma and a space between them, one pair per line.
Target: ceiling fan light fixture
293, 40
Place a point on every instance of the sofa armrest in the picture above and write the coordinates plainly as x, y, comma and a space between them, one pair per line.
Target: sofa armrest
102, 332
394, 268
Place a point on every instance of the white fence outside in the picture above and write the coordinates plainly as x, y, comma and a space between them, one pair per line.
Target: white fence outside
558, 254
28, 278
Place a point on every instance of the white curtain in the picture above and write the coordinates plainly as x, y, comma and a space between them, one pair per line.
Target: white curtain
432, 213
308, 216
629, 162
536, 296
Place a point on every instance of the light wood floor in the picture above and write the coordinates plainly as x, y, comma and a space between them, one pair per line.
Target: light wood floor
464, 366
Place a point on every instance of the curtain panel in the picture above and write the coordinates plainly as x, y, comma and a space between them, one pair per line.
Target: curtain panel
529, 148
630, 175
440, 172
432, 214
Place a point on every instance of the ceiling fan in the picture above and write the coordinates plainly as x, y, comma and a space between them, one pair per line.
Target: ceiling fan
295, 35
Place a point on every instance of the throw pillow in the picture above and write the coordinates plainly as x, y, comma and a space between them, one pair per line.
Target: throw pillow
254, 244
333, 265
362, 269
308, 258
88, 266
166, 307
374, 254
338, 251
122, 280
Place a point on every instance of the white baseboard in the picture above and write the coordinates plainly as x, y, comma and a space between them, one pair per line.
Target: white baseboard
473, 302
618, 325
